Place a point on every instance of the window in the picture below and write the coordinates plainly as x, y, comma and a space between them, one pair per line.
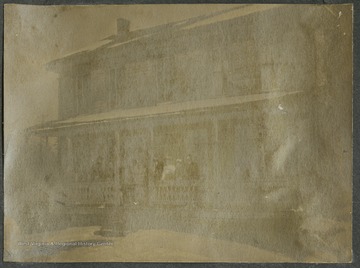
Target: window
241, 70
99, 94
196, 75
139, 87
166, 79
113, 88
66, 95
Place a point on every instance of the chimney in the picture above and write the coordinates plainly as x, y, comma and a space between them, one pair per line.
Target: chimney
123, 26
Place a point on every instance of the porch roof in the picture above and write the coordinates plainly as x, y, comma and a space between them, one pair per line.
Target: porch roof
170, 108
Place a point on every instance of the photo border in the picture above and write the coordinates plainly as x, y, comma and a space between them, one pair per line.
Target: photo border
356, 134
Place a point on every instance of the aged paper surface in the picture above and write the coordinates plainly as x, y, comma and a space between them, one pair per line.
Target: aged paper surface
182, 133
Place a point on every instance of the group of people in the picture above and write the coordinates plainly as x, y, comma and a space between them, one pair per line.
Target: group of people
168, 169
99, 170
136, 176
164, 169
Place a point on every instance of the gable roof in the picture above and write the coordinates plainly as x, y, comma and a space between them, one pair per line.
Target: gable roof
183, 25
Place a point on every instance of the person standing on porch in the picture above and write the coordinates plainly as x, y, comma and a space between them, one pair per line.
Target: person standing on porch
158, 170
192, 169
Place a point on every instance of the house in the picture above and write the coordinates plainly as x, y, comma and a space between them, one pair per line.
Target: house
212, 114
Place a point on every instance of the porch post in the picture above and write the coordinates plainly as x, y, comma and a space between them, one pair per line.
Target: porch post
70, 159
117, 167
216, 160
150, 187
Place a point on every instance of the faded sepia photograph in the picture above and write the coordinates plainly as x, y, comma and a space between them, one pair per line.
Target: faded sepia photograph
178, 133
